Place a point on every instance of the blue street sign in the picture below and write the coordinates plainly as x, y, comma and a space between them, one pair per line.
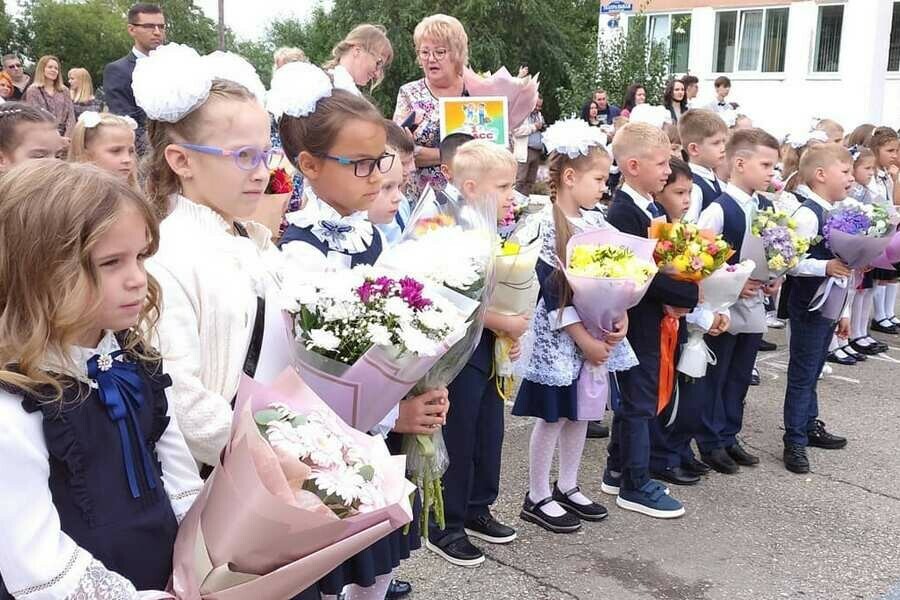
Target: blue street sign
616, 6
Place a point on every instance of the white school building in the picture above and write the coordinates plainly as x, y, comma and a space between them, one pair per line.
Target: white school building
789, 62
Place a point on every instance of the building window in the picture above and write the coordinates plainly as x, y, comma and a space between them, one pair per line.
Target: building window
828, 38
750, 40
673, 31
894, 47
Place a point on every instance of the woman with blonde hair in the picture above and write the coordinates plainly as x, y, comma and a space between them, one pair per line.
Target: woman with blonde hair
49, 92
361, 58
81, 90
442, 51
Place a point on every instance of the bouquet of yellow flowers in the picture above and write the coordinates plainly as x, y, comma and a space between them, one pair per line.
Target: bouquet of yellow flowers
610, 262
686, 252
775, 246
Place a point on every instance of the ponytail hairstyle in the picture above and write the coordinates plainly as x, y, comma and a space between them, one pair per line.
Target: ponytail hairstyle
15, 114
49, 292
161, 180
558, 163
372, 39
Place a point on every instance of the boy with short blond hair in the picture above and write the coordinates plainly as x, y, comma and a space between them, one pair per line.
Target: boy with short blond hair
827, 170
642, 152
703, 136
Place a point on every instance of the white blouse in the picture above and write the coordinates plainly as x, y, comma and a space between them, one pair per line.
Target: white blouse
38, 561
210, 280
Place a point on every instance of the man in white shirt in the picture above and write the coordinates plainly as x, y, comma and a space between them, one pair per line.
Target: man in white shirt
723, 88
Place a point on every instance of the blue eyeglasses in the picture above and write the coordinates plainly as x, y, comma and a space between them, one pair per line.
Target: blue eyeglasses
364, 167
246, 158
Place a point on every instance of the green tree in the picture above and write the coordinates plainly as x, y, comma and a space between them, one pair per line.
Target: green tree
6, 29
615, 63
543, 35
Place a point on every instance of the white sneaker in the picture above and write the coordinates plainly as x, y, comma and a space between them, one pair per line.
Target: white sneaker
826, 370
774, 322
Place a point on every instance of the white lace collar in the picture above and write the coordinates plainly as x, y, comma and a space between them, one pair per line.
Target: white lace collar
351, 234
77, 357
208, 219
343, 80
589, 219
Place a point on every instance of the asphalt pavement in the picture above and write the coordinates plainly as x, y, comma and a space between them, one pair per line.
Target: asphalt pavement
764, 533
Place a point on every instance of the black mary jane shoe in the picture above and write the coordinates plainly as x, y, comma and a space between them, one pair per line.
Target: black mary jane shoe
588, 512
884, 326
565, 523
849, 351
839, 357
867, 349
398, 589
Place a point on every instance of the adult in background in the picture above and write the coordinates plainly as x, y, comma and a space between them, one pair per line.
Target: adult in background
285, 55
606, 112
48, 92
6, 87
691, 89
528, 146
442, 50
361, 58
12, 66
147, 27
590, 114
81, 90
634, 95
675, 99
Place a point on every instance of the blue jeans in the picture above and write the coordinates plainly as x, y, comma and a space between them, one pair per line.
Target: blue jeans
810, 335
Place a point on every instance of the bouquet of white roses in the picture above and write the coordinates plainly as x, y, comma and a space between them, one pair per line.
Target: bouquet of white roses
363, 337
452, 245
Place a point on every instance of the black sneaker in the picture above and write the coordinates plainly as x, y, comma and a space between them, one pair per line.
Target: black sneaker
457, 550
820, 438
588, 512
489, 529
695, 466
398, 589
741, 456
754, 377
565, 523
766, 346
597, 429
795, 459
720, 461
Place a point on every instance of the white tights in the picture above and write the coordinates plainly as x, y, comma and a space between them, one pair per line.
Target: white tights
571, 436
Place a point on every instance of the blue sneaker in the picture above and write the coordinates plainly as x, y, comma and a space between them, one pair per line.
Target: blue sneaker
610, 484
651, 500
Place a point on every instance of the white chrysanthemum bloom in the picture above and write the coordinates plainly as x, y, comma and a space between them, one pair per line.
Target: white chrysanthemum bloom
324, 339
371, 498
296, 88
573, 137
344, 483
650, 114
290, 438
398, 307
434, 319
379, 334
171, 82
417, 342
233, 67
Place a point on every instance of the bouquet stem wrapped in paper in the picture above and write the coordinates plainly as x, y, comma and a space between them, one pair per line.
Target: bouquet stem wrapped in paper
720, 291
270, 523
451, 244
364, 337
609, 272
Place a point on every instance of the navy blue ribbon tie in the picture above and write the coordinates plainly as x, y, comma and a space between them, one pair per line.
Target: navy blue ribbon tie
335, 230
121, 391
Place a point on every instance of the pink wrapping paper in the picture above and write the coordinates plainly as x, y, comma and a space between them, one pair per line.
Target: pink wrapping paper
890, 255
362, 394
247, 530
600, 303
521, 93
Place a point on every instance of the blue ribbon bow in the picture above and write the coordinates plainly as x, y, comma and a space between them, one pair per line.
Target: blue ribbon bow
335, 230
121, 391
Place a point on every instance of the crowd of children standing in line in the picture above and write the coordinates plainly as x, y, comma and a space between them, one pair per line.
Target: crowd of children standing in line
159, 289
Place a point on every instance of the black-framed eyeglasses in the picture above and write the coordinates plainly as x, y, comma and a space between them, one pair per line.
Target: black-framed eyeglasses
150, 26
247, 158
364, 167
14, 66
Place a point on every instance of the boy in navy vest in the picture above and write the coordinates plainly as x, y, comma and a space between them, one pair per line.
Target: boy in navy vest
827, 170
752, 155
703, 134
474, 430
642, 152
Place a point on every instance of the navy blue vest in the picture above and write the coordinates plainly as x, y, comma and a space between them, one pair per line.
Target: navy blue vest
131, 536
735, 223
710, 193
803, 289
305, 235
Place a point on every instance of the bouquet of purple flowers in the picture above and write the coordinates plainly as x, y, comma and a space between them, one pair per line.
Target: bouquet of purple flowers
856, 232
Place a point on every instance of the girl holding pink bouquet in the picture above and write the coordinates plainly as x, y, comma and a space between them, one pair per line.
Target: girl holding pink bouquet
562, 346
336, 139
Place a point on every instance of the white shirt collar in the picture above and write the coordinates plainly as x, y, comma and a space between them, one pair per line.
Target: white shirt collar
75, 362
321, 218
589, 219
703, 172
342, 79
818, 199
641, 201
742, 197
137, 53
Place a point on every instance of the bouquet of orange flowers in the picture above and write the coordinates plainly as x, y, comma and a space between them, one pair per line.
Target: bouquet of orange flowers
686, 252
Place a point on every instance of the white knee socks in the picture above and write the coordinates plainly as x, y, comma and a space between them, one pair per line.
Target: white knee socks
376, 591
860, 312
878, 300
890, 299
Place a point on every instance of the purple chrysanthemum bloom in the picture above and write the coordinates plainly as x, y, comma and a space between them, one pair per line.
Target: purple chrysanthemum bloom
411, 292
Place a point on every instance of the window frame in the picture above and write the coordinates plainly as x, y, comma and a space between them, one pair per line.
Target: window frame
814, 55
672, 17
895, 13
738, 40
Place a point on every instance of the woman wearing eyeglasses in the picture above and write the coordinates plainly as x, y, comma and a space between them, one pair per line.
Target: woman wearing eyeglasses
442, 48
361, 58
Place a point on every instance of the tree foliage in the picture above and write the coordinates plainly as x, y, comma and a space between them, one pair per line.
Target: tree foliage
615, 63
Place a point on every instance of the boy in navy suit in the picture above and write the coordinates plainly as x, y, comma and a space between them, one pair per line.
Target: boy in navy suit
474, 430
752, 155
642, 152
703, 134
827, 170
